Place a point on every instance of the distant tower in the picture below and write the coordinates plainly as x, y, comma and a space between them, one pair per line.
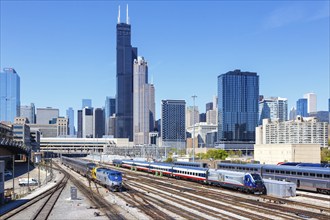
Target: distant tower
302, 107
124, 97
87, 123
45, 116
144, 103
273, 108
29, 112
70, 117
238, 94
109, 110
191, 116
86, 103
293, 113
173, 132
209, 106
9, 95
98, 123
311, 102
79, 124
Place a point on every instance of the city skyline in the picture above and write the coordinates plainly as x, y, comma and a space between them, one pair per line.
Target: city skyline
74, 56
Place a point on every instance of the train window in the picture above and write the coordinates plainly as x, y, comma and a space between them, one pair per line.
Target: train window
319, 175
293, 173
287, 172
305, 174
299, 173
267, 171
255, 169
326, 176
271, 171
282, 172
312, 174
276, 171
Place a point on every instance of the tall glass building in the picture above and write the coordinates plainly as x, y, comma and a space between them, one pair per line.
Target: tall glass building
86, 103
109, 110
70, 116
29, 112
124, 97
238, 96
273, 108
173, 131
302, 107
9, 95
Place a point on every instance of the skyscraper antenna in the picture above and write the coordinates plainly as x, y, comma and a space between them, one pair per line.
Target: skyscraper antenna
118, 14
127, 18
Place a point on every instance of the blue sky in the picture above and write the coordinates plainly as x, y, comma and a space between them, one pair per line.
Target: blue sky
65, 51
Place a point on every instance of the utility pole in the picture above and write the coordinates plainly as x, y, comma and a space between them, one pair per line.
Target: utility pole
28, 165
13, 195
194, 96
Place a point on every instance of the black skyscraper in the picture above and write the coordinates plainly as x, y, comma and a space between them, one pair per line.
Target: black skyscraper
124, 100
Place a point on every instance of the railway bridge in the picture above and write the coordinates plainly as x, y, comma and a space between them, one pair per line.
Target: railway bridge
8, 146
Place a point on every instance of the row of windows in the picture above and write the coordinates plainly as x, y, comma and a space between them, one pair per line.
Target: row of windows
165, 169
238, 168
298, 173
191, 173
277, 171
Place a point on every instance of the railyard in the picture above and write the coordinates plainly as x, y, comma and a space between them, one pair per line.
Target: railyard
146, 196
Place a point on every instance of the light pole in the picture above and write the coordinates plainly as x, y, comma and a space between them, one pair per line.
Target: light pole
194, 96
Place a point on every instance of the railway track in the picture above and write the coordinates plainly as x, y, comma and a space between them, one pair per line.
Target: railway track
47, 207
279, 208
49, 199
314, 197
98, 201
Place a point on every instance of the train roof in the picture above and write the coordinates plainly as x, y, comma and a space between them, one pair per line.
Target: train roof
251, 165
281, 167
162, 164
190, 168
298, 169
79, 160
186, 162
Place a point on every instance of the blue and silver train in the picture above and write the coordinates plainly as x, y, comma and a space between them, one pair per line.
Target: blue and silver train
306, 178
111, 179
242, 181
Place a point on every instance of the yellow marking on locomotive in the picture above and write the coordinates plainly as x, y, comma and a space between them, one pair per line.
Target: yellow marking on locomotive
94, 173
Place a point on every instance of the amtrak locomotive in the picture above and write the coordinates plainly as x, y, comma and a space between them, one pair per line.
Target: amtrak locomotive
111, 179
242, 181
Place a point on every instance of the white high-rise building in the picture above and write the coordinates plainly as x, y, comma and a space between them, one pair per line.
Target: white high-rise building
87, 122
143, 103
192, 117
215, 102
299, 131
212, 117
311, 102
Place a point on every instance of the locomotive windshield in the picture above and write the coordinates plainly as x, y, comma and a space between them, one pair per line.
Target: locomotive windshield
256, 177
115, 176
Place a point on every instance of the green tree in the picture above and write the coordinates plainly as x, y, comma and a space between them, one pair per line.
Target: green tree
199, 155
231, 153
217, 154
169, 160
325, 154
